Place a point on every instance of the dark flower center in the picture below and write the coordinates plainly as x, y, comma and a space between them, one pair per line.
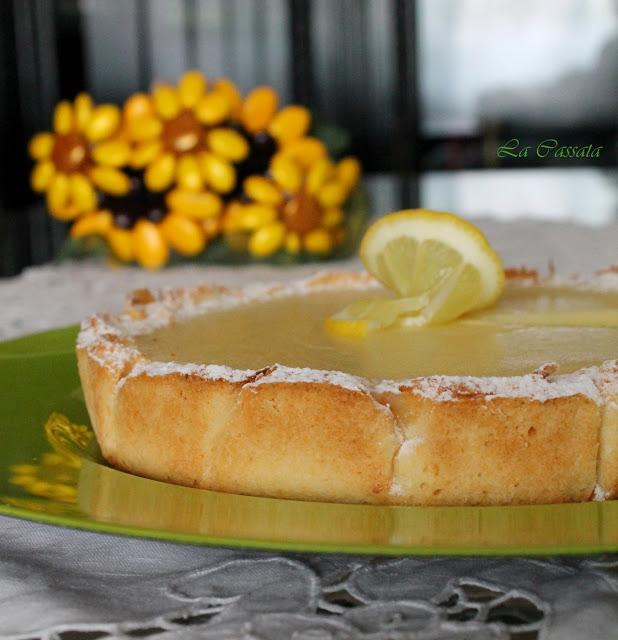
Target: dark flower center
138, 204
302, 213
70, 153
183, 134
262, 147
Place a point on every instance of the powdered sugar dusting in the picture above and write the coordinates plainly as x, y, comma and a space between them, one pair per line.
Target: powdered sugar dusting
606, 280
105, 344
600, 494
183, 304
250, 378
409, 445
207, 372
110, 340
178, 304
397, 490
532, 386
601, 281
280, 373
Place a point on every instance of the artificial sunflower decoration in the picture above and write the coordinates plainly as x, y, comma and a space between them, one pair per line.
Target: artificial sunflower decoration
191, 169
179, 135
78, 156
145, 226
297, 206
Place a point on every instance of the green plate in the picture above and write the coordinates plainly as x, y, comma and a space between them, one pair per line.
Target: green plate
51, 470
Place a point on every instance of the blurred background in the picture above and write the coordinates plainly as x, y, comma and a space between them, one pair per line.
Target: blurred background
438, 97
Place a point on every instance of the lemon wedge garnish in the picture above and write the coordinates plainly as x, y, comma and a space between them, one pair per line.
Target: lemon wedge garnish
438, 265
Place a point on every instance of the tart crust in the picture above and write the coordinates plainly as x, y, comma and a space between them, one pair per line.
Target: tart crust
329, 436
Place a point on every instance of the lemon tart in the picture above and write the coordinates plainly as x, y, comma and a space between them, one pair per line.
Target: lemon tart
246, 391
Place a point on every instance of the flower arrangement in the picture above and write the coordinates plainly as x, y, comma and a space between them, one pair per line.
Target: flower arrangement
197, 170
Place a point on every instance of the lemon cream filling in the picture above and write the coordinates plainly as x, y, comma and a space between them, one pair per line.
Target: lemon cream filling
528, 327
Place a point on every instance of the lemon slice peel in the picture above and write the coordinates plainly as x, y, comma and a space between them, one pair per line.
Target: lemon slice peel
442, 265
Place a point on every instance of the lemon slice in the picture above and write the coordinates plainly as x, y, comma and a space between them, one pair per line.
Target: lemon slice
371, 314
439, 265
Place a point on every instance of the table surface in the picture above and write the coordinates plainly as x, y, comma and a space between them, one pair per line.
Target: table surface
87, 585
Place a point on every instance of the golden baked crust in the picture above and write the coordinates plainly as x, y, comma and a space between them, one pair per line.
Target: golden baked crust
329, 436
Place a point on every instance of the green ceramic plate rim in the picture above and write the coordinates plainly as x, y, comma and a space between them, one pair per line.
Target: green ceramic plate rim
61, 341
269, 545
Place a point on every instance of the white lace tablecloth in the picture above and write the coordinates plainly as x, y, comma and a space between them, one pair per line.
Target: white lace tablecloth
67, 584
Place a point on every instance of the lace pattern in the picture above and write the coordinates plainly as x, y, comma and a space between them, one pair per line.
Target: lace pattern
55, 581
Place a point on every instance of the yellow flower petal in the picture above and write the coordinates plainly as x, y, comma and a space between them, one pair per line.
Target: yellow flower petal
201, 205
82, 193
292, 242
332, 194
145, 153
42, 175
114, 153
166, 101
306, 151
41, 146
51, 458
110, 180
139, 105
151, 249
188, 176
332, 217
22, 481
40, 488
286, 172
254, 216
229, 90
217, 172
99, 223
232, 216
83, 111
348, 171
23, 468
318, 175
290, 123
145, 128
58, 196
228, 143
211, 227
160, 173
63, 117
183, 234
68, 211
259, 108
191, 88
262, 190
212, 109
318, 241
104, 121
121, 243
267, 240
63, 492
